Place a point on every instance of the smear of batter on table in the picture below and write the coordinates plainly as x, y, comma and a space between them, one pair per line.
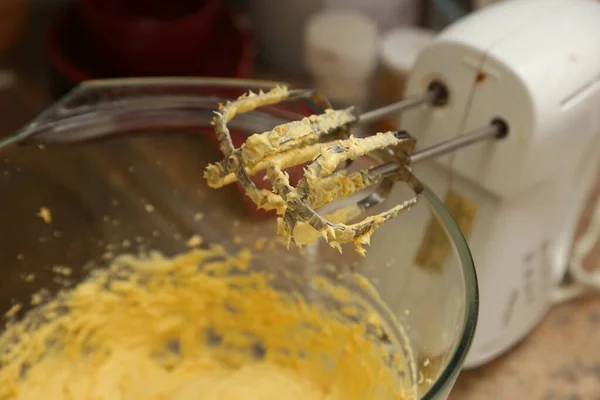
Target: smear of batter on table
201, 325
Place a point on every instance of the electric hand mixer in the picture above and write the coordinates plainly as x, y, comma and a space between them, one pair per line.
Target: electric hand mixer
527, 70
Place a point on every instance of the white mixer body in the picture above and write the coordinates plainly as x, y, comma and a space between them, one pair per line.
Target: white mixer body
535, 64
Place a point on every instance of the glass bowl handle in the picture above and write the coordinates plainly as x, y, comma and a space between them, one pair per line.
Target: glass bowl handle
99, 108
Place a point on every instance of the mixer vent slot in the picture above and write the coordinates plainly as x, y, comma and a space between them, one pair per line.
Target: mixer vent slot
580, 94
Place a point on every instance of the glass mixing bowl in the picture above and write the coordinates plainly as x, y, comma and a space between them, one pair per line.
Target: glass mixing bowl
77, 191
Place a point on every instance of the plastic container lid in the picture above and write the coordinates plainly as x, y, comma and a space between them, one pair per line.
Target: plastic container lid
401, 46
341, 43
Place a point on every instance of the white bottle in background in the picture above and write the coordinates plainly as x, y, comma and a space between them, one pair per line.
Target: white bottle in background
340, 52
278, 26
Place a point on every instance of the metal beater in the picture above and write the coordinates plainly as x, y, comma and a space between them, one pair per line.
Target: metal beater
324, 142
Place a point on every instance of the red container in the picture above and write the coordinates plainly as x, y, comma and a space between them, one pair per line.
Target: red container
73, 60
150, 37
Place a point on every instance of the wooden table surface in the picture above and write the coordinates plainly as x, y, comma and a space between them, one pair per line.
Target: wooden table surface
560, 360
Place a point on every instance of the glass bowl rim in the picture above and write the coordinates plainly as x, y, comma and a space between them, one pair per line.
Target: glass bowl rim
446, 379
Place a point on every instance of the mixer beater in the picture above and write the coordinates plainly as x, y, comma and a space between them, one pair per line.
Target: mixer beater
323, 143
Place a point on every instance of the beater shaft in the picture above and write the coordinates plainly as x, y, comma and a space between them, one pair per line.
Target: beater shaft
492, 131
409, 102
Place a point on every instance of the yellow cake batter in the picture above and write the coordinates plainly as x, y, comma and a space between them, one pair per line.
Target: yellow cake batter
202, 325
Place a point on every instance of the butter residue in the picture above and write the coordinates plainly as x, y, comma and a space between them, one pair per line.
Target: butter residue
322, 185
45, 214
332, 154
245, 103
215, 178
297, 143
204, 324
255, 153
295, 134
322, 191
359, 233
304, 234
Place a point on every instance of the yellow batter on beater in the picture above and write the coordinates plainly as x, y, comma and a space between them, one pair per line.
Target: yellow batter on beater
201, 325
297, 143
